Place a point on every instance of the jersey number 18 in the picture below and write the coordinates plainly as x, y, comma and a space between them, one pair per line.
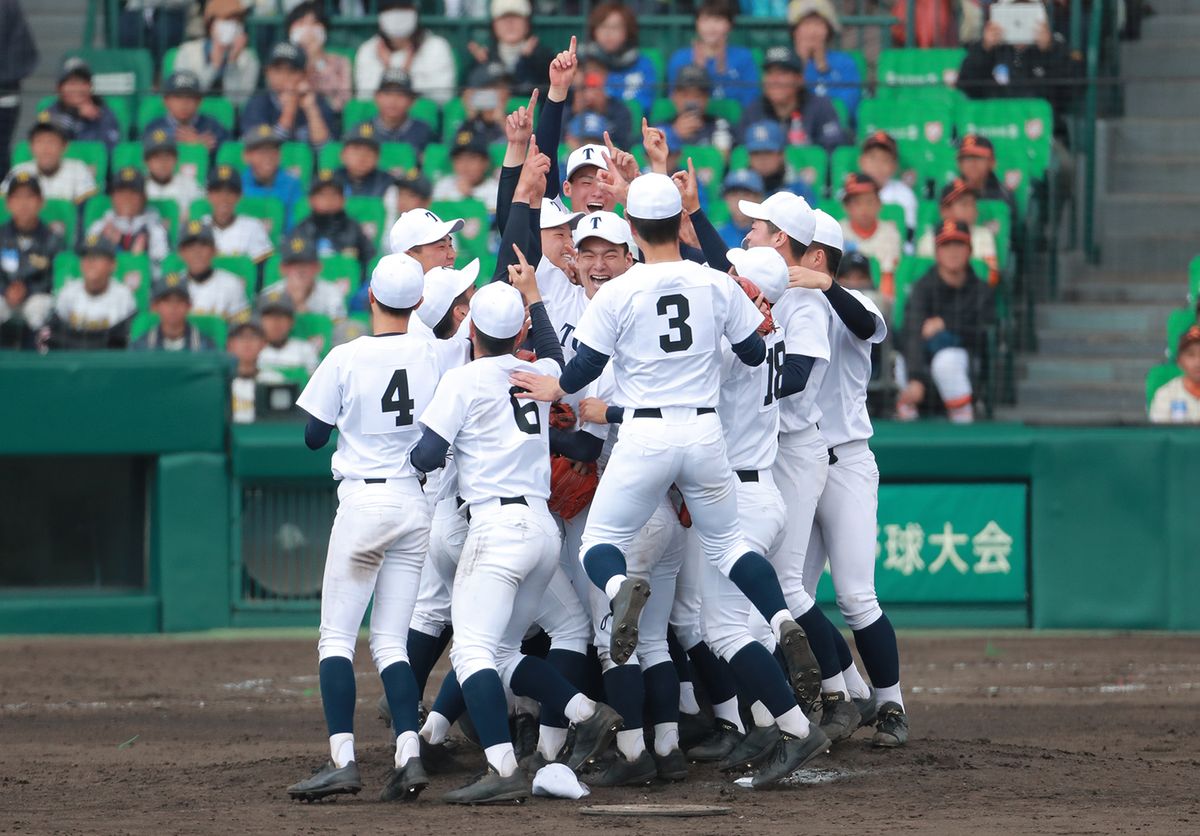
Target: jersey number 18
774, 366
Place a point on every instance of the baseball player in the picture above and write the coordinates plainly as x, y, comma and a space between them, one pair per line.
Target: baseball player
215, 292
235, 234
502, 454
94, 311
372, 389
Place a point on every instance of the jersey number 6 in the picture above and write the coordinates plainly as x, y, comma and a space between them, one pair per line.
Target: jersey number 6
395, 399
525, 414
678, 323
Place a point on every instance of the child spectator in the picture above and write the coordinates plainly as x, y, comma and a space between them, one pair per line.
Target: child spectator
402, 42
245, 343
183, 121
612, 29
329, 229
213, 292
806, 118
591, 93
359, 172
827, 72
862, 230
471, 165
764, 144
61, 178
484, 100
880, 160
1178, 401
959, 202
222, 60
290, 106
130, 225
690, 92
93, 311
393, 102
413, 191
170, 299
739, 186
328, 73
282, 351
234, 234
514, 46
263, 176
732, 69
85, 115
27, 250
305, 292
977, 166
166, 182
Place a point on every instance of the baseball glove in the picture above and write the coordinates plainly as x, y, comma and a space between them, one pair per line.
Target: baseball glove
754, 293
675, 496
562, 416
526, 355
570, 490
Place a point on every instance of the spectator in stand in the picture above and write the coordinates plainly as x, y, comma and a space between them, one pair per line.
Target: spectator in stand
764, 144
301, 268
245, 343
514, 47
946, 318
960, 203
61, 178
171, 300
739, 186
612, 29
166, 181
234, 234
732, 70
92, 311
880, 160
1178, 401
222, 59
587, 129
591, 93
977, 166
933, 23
691, 125
85, 115
156, 25
806, 118
213, 292
855, 273
18, 60
328, 73
470, 178
393, 102
863, 231
289, 105
359, 172
413, 191
282, 351
329, 228
484, 100
827, 72
183, 121
130, 225
263, 176
401, 43
27, 250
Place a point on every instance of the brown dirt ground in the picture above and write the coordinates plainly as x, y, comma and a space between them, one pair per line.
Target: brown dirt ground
1011, 732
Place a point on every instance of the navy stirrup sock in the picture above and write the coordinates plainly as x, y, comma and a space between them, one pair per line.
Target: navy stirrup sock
537, 679
484, 694
877, 646
625, 692
602, 563
714, 674
820, 632
662, 693
400, 686
338, 694
755, 577
759, 674
449, 702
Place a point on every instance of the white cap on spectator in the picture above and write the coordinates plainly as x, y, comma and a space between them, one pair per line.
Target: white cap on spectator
827, 231
554, 215
442, 286
586, 155
653, 197
500, 8
498, 310
418, 227
398, 281
789, 212
608, 226
765, 267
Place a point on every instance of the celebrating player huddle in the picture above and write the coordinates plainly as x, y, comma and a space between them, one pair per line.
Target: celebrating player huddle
645, 449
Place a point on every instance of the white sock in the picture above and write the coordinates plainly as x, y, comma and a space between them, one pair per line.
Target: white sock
580, 708
687, 698
435, 729
614, 586
341, 749
793, 722
728, 711
961, 414
408, 745
762, 717
502, 758
631, 744
889, 694
855, 684
666, 738
550, 741
778, 619
836, 684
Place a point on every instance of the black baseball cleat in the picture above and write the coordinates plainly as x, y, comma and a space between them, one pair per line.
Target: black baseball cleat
892, 729
328, 780
613, 770
593, 735
803, 671
753, 749
406, 782
532, 763
719, 743
790, 754
868, 709
523, 727
839, 717
693, 728
672, 766
626, 610
491, 788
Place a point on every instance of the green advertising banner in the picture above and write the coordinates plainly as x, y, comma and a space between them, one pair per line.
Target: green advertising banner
949, 544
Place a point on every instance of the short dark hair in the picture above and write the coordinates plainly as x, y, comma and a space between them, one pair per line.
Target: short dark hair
601, 13
307, 8
662, 231
718, 8
390, 311
494, 346
833, 257
446, 327
798, 248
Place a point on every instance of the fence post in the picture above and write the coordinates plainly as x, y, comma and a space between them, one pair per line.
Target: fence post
1093, 66
910, 27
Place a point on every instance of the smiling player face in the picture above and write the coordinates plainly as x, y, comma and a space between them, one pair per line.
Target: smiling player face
599, 261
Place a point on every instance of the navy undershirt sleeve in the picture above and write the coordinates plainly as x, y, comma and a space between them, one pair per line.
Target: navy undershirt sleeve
430, 452
542, 338
586, 366
549, 135
316, 433
752, 350
796, 371
711, 242
614, 414
515, 231
509, 175
576, 445
851, 311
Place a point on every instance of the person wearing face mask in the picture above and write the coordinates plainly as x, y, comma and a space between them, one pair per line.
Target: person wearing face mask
307, 27
514, 46
402, 43
222, 59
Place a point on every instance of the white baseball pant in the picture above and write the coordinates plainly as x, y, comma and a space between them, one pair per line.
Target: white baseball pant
799, 471
447, 533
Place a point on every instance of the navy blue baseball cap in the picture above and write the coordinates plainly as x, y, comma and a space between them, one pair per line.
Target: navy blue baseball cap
743, 180
182, 83
225, 176
766, 135
589, 127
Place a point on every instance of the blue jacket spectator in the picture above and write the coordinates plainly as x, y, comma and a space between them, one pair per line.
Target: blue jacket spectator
764, 143
263, 176
591, 94
738, 186
183, 122
86, 116
806, 118
731, 68
826, 72
612, 32
691, 125
289, 105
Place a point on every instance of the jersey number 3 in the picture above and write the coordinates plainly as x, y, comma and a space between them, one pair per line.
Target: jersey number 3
679, 338
395, 399
525, 414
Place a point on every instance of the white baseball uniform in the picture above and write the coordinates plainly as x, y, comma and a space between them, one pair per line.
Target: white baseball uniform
74, 180
83, 311
325, 298
244, 236
293, 354
221, 294
565, 303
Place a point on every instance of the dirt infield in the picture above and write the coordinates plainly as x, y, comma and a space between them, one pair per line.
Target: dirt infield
1011, 732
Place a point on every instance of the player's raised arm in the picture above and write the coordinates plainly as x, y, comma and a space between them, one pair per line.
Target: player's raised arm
550, 121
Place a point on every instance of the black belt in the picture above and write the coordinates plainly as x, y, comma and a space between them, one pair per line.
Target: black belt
504, 500
657, 413
374, 481
832, 458
747, 475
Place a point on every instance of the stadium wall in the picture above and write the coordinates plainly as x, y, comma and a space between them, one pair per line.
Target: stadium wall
124, 471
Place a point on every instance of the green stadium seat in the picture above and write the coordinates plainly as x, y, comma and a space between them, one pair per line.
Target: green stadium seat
1157, 376
63, 217
842, 161
168, 61
213, 327
1194, 281
296, 158
929, 215
860, 61
436, 161
1178, 321
230, 153
272, 271
427, 111
895, 214
343, 271
473, 239
168, 210
1024, 126
496, 152
267, 209
220, 109
709, 163
371, 215
241, 266
316, 328
150, 107
357, 111
655, 54
192, 158
330, 156
928, 124
907, 72
663, 111
932, 166
454, 113
397, 158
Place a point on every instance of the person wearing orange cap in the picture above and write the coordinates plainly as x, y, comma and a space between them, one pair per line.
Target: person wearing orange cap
977, 166
1178, 401
862, 230
960, 202
945, 322
879, 159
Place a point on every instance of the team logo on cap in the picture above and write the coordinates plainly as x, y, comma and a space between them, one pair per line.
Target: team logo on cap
194, 227
173, 280
463, 138
225, 171
93, 239
159, 135
263, 131
128, 174
297, 245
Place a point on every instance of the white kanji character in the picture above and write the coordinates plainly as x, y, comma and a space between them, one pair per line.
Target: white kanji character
949, 541
904, 548
992, 546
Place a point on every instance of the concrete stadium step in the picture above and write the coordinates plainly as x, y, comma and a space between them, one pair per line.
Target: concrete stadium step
1071, 370
1159, 58
1169, 135
1174, 7
1116, 344
1159, 98
1066, 416
1171, 27
1118, 397
1148, 251
1148, 214
1089, 318
1160, 173
1139, 286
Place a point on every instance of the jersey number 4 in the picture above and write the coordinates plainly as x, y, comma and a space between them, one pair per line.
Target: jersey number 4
525, 413
395, 399
679, 338
774, 364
